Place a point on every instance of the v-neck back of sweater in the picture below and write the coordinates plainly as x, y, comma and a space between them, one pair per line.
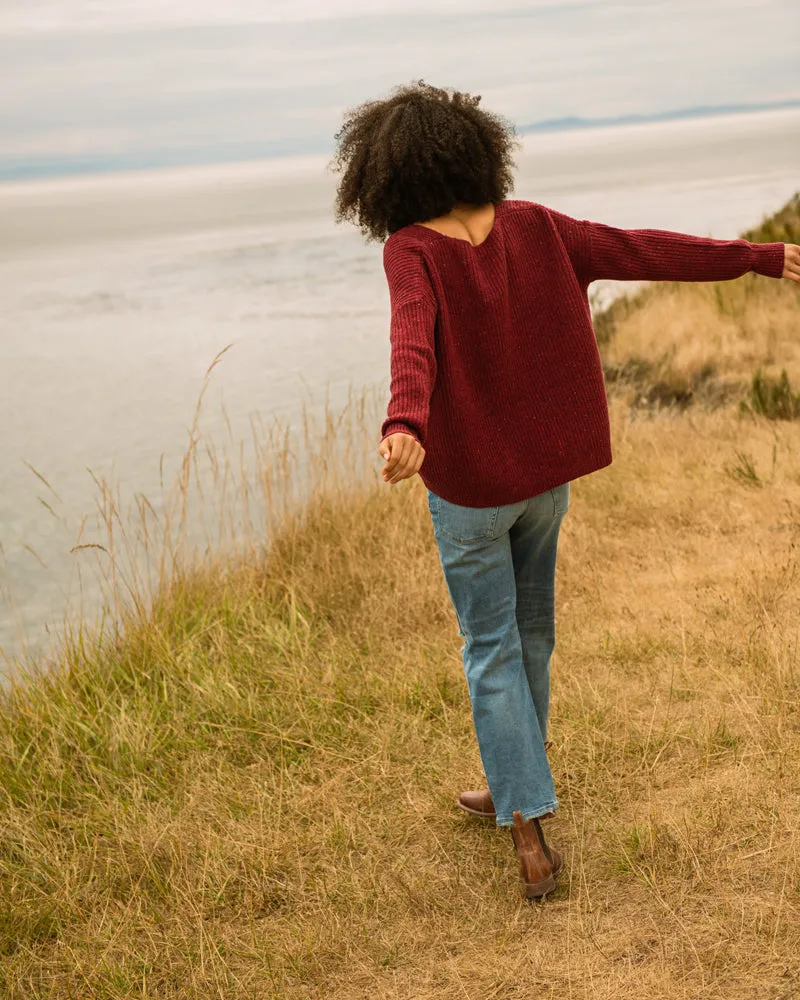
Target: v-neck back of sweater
495, 368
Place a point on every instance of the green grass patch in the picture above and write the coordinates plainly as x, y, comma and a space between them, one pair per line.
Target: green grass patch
772, 398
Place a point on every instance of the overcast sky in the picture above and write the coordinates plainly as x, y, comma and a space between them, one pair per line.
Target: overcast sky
103, 83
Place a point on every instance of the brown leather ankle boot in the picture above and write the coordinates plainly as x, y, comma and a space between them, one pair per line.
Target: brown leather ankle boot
538, 863
479, 803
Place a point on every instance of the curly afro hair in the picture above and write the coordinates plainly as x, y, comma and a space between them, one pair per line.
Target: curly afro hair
417, 154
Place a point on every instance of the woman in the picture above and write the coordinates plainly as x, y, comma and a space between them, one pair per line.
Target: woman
497, 395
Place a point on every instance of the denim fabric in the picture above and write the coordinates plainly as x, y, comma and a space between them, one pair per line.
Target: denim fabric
499, 567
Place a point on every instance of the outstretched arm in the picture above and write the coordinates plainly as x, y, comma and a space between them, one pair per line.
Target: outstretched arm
602, 251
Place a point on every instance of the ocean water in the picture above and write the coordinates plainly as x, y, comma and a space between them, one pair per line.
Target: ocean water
117, 292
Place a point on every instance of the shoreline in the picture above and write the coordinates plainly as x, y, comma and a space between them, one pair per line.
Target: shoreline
307, 166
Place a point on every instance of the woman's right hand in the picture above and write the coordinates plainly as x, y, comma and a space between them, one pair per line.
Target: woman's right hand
791, 262
404, 456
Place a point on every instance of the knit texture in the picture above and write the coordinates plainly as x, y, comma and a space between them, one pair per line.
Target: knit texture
495, 368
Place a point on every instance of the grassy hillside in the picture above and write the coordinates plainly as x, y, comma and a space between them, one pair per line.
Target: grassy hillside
705, 342
248, 792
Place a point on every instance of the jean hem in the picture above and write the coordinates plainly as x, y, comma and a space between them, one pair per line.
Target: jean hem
527, 814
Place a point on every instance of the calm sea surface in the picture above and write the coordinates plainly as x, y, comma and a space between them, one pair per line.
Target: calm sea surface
117, 292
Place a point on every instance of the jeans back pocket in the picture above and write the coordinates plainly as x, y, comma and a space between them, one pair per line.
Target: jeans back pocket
462, 524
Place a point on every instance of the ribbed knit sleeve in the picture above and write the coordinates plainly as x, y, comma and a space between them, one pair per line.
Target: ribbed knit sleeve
602, 251
413, 358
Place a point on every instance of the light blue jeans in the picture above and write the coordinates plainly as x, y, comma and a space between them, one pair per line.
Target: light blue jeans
499, 566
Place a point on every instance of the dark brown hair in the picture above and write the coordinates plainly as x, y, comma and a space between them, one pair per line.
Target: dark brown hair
416, 154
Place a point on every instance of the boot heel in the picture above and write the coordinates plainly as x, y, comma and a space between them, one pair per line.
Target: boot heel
539, 888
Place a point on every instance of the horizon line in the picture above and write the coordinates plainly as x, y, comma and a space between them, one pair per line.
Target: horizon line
55, 167
695, 111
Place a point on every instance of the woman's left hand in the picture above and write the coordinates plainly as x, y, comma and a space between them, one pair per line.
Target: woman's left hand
791, 262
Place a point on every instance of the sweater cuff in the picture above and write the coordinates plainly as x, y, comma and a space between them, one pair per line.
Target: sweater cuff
399, 428
768, 259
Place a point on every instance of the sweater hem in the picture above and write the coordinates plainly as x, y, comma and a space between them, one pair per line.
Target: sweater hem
503, 495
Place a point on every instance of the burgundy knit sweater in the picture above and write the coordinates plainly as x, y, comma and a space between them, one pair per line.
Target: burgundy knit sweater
494, 363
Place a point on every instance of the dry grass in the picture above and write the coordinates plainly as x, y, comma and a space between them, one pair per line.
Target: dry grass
248, 790
693, 335
703, 342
